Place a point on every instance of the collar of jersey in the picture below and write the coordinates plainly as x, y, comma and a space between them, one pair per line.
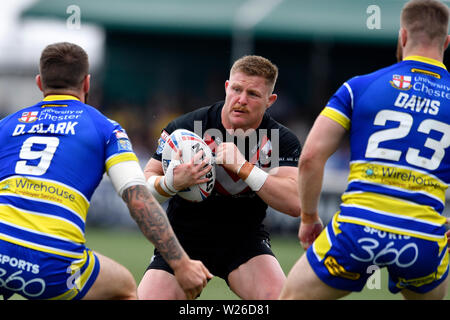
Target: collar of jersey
426, 60
56, 97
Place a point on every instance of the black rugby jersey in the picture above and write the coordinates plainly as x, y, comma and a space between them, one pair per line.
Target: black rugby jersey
232, 208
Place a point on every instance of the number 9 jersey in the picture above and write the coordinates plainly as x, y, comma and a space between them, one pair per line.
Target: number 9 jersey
399, 124
52, 157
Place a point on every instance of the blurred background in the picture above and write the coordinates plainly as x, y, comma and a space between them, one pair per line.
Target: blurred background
152, 60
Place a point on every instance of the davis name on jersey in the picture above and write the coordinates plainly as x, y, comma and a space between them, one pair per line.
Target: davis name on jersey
417, 103
400, 162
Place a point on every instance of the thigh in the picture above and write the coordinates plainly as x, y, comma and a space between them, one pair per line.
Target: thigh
302, 283
251, 269
157, 284
114, 281
260, 278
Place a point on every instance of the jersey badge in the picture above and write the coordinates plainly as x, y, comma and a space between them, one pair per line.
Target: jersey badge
120, 134
401, 82
29, 117
124, 145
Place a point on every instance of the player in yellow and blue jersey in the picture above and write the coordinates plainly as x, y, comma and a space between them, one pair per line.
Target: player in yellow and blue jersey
398, 119
52, 158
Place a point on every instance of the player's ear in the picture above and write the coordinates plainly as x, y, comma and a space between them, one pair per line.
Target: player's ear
227, 83
446, 43
403, 35
86, 83
39, 82
272, 98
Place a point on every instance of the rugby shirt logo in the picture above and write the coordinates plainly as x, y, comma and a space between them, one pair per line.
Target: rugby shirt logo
401, 82
28, 117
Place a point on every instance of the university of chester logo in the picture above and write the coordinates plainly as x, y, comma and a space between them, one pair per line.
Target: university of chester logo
28, 117
401, 82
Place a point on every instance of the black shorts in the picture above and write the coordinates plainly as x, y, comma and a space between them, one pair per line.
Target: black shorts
221, 260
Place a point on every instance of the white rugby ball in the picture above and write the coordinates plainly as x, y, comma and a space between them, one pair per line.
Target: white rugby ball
189, 143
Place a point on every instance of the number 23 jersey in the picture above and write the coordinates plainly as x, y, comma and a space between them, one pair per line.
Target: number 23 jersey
399, 124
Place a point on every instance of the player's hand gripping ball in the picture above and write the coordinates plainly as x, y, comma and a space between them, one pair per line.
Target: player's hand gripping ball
190, 144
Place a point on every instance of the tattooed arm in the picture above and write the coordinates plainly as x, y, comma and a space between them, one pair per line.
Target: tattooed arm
152, 220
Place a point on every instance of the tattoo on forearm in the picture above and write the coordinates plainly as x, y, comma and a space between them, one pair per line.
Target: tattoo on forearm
152, 221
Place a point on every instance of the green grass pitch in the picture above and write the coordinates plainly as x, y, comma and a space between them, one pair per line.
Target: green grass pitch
131, 249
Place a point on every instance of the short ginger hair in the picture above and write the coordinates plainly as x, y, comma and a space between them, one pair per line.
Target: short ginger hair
257, 66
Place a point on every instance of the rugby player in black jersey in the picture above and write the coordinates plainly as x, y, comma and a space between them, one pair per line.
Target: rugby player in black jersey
226, 230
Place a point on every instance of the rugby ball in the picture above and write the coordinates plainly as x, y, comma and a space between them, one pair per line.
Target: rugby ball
189, 143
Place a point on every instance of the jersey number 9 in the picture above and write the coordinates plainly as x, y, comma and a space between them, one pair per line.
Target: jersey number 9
44, 156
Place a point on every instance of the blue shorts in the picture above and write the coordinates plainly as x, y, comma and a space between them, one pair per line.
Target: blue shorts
39, 275
345, 255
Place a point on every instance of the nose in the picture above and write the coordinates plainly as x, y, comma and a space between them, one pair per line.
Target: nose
243, 99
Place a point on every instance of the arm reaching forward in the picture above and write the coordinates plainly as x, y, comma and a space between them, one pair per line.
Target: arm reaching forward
322, 141
152, 220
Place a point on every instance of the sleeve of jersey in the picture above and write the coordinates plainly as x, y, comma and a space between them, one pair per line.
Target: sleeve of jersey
340, 107
122, 165
290, 149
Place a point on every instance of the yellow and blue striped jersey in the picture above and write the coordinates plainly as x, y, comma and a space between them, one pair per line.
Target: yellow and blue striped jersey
398, 119
52, 157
